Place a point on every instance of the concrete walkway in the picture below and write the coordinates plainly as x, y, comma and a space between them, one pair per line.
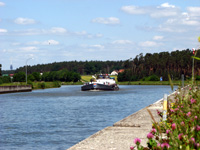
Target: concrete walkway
120, 136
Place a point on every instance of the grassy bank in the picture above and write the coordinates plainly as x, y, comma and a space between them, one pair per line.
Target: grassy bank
35, 85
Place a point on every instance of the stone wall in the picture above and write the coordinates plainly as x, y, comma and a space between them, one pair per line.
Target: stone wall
12, 89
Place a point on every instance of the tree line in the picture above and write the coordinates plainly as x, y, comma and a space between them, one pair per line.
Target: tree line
156, 65
81, 67
61, 75
142, 67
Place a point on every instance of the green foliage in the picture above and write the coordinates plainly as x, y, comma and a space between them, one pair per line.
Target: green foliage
19, 77
56, 84
152, 78
5, 79
198, 78
87, 67
41, 85
31, 77
62, 75
175, 63
1, 81
30, 83
0, 70
37, 76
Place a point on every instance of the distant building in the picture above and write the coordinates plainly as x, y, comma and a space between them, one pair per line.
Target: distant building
114, 73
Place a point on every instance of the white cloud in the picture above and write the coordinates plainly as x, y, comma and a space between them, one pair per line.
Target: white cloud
2, 4
107, 21
24, 21
134, 10
48, 42
167, 5
157, 37
164, 13
148, 44
194, 11
28, 49
58, 30
164, 10
122, 42
3, 30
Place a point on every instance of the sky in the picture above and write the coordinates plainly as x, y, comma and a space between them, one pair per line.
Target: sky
66, 30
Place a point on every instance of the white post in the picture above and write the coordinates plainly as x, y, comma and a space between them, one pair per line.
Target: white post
165, 107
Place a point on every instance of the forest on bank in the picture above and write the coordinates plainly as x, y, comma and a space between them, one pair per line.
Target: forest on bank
141, 67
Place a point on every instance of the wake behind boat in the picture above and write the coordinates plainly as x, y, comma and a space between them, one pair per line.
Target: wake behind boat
102, 82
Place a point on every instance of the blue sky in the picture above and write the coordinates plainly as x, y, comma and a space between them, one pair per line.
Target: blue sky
64, 30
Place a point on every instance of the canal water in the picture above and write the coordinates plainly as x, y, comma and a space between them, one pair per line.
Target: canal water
56, 119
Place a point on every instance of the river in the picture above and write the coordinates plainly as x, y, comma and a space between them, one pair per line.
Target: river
56, 119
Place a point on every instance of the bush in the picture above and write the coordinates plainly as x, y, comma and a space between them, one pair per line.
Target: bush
41, 85
30, 83
56, 84
198, 78
152, 78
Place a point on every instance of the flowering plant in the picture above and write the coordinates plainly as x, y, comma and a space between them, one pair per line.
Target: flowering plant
181, 130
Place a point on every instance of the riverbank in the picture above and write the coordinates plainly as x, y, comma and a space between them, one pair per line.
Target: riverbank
120, 136
14, 89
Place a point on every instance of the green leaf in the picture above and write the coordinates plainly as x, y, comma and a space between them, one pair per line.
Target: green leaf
197, 58
188, 147
171, 83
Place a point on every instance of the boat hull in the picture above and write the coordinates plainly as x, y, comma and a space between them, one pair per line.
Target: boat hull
97, 86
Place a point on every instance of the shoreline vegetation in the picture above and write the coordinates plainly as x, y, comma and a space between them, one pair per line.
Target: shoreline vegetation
86, 78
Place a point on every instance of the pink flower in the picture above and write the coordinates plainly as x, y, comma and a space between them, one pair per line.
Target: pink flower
172, 110
190, 89
158, 145
165, 145
182, 123
173, 126
195, 117
192, 101
137, 141
153, 130
197, 145
198, 128
158, 112
180, 136
176, 109
131, 148
167, 131
150, 135
192, 140
188, 114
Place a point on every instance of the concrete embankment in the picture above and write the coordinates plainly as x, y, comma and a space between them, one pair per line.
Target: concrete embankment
120, 136
13, 89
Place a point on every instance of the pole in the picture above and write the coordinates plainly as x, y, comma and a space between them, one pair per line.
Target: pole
165, 107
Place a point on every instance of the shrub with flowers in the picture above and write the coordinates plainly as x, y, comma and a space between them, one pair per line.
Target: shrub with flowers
181, 130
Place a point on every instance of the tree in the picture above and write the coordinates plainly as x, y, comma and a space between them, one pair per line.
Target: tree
0, 70
19, 77
37, 76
